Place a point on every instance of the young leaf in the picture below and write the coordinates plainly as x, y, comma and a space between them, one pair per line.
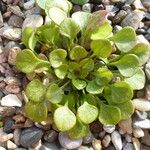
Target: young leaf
127, 109
77, 53
61, 71
79, 84
41, 3
57, 15
35, 90
137, 81
54, 93
128, 65
94, 88
57, 57
101, 48
64, 118
102, 32
27, 62
80, 2
79, 130
69, 28
109, 115
36, 111
118, 92
142, 51
87, 113
103, 76
32, 41
125, 39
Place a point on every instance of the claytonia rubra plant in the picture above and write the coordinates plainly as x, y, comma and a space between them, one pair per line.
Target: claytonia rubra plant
81, 71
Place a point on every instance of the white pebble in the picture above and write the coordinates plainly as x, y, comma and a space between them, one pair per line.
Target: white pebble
138, 132
109, 128
144, 124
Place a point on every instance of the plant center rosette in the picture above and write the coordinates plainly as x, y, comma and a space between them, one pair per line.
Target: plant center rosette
81, 71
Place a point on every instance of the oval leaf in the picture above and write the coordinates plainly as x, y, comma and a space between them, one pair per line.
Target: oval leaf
41, 3
64, 118
79, 84
87, 113
109, 115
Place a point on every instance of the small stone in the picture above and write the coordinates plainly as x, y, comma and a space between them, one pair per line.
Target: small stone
146, 3
29, 4
138, 132
96, 144
136, 144
84, 148
76, 8
19, 118
11, 145
16, 138
141, 114
109, 128
102, 134
2, 148
138, 5
133, 19
115, 1
147, 92
11, 100
50, 146
33, 11
96, 127
141, 104
106, 140
87, 7
144, 124
15, 21
142, 39
28, 123
51, 136
127, 8
1, 20
33, 21
30, 136
129, 2
116, 140
128, 146
88, 138
145, 139
8, 125
128, 138
67, 142
126, 125
4, 136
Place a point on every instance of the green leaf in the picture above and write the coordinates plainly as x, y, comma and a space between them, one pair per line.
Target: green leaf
41, 3
64, 118
102, 32
109, 115
81, 18
125, 39
36, 111
142, 51
57, 15
32, 41
35, 90
77, 53
79, 130
101, 48
61, 71
103, 76
127, 109
137, 81
94, 88
69, 28
128, 65
27, 62
80, 2
57, 57
87, 113
79, 84
118, 92
54, 93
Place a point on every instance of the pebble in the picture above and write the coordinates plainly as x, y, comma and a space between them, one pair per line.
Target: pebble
126, 125
145, 139
128, 138
138, 5
144, 124
115, 1
116, 140
19, 118
147, 92
11, 145
30, 136
29, 4
68, 143
133, 19
8, 125
16, 138
51, 136
96, 127
102, 134
146, 3
96, 144
87, 7
50, 146
141, 114
88, 138
141, 104
109, 128
106, 140
84, 148
136, 143
138, 132
32, 21
11, 100
142, 39
1, 20
2, 148
33, 11
4, 136
128, 146
15, 21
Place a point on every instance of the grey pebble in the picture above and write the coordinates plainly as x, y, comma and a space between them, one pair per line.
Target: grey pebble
87, 7
1, 20
8, 125
88, 138
29, 4
119, 16
50, 136
128, 146
15, 21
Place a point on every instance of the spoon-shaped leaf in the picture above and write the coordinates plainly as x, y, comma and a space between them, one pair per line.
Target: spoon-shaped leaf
87, 113
109, 115
101, 48
41, 3
79, 84
64, 118
36, 111
35, 90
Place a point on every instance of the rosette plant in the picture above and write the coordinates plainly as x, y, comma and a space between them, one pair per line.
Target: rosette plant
81, 71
